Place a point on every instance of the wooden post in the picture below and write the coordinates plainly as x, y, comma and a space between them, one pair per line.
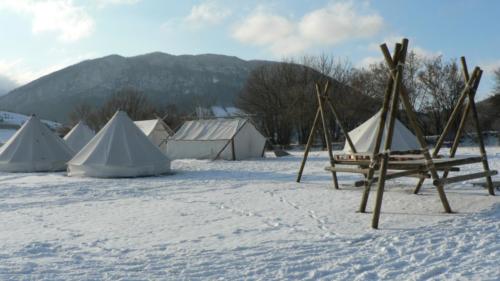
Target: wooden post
465, 113
308, 145
233, 152
380, 131
418, 133
419, 185
325, 130
482, 150
341, 124
388, 140
454, 113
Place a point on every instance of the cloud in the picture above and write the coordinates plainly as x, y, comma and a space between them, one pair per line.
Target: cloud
331, 25
390, 41
62, 17
490, 66
104, 3
208, 12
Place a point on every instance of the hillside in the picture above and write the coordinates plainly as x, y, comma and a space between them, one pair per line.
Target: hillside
186, 80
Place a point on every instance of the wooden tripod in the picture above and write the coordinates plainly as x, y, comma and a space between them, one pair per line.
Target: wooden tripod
320, 113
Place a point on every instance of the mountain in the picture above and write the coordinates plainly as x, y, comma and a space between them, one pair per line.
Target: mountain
185, 80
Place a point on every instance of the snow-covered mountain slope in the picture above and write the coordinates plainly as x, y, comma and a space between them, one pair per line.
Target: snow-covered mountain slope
243, 220
162, 77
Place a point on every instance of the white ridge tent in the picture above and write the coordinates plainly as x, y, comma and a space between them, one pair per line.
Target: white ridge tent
34, 148
157, 131
364, 136
229, 139
79, 136
119, 149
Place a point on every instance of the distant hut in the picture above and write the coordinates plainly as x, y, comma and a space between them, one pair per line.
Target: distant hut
229, 139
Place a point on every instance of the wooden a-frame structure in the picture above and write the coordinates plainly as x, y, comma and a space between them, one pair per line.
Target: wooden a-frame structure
466, 103
320, 115
383, 165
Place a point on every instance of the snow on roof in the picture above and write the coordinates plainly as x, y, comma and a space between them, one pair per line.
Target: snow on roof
220, 112
211, 129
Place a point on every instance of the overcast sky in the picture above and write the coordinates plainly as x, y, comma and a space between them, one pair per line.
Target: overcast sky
41, 36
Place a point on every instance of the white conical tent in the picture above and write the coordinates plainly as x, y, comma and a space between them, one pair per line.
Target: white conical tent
120, 149
157, 131
364, 136
229, 139
34, 148
79, 136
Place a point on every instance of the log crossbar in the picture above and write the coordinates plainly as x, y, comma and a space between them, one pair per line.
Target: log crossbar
465, 177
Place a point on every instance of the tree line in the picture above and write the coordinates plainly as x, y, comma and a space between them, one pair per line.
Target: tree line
282, 96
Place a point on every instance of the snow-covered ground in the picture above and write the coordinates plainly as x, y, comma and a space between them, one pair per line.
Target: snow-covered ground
226, 220
17, 119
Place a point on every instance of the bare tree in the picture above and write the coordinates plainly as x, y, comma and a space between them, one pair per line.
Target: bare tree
442, 84
137, 106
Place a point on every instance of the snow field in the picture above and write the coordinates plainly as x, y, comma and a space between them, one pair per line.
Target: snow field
223, 220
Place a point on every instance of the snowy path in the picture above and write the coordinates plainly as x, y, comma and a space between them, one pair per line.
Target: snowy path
242, 220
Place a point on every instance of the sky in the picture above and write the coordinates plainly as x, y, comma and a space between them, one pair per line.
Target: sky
42, 36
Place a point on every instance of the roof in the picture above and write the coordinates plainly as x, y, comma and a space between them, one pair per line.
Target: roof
364, 136
211, 129
148, 126
79, 136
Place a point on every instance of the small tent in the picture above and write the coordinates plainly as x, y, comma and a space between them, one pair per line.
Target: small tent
157, 131
364, 136
79, 136
34, 148
230, 139
119, 149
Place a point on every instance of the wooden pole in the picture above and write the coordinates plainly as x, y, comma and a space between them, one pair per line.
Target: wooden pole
418, 133
482, 150
456, 110
380, 130
308, 145
325, 130
388, 141
465, 113
419, 185
341, 124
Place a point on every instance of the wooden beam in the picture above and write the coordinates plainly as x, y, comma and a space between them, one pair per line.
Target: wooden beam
465, 177
347, 170
380, 130
341, 125
456, 110
418, 133
326, 132
310, 139
482, 150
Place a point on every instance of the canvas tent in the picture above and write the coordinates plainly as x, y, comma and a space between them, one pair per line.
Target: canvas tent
364, 136
157, 131
34, 148
229, 139
119, 149
79, 136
